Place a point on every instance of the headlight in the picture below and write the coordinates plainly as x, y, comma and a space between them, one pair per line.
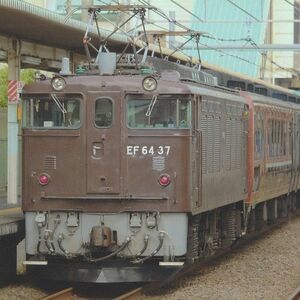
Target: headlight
149, 83
58, 83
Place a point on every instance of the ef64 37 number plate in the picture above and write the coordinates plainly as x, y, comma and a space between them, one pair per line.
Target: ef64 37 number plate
148, 150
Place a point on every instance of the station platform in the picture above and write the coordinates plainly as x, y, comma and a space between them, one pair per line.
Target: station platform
12, 231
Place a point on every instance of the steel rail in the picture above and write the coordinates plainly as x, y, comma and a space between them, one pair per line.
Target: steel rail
295, 295
66, 294
134, 294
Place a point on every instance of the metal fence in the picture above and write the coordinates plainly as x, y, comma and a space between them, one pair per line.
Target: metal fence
3, 151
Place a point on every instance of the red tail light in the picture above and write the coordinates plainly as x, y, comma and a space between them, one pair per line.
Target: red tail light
44, 179
164, 179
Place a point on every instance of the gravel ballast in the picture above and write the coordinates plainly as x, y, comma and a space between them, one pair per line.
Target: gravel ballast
267, 268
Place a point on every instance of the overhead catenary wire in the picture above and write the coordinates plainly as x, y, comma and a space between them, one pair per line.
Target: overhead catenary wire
245, 11
162, 14
292, 71
247, 39
292, 4
205, 35
231, 55
252, 42
188, 11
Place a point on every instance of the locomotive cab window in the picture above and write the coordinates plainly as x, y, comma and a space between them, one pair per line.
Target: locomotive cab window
159, 113
103, 112
51, 112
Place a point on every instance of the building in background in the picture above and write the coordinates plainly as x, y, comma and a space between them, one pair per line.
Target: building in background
232, 23
236, 34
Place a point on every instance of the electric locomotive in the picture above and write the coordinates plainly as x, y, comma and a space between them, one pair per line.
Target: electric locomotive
129, 177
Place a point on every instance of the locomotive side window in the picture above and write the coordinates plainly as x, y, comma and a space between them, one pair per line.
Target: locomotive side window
159, 113
103, 112
51, 112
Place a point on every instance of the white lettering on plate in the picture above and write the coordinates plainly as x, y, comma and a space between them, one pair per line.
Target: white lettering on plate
148, 150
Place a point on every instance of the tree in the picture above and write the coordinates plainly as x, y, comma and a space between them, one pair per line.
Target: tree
27, 76
3, 86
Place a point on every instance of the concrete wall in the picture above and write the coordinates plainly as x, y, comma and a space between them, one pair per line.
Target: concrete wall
283, 33
3, 154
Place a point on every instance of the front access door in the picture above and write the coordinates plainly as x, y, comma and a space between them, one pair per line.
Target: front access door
103, 143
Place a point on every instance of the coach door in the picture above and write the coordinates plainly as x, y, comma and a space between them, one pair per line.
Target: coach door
103, 143
296, 151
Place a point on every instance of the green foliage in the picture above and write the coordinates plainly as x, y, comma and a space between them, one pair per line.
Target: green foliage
3, 86
27, 76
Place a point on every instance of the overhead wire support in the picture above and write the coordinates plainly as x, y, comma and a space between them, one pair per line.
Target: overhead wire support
197, 40
140, 9
204, 34
97, 25
163, 15
96, 9
159, 46
193, 35
292, 71
120, 26
142, 15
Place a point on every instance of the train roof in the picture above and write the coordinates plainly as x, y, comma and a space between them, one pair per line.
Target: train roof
90, 83
229, 78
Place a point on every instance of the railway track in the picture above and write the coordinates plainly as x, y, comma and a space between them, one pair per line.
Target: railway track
66, 294
295, 295
132, 295
26, 289
157, 288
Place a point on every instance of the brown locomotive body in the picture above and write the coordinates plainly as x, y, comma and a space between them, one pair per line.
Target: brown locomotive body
124, 184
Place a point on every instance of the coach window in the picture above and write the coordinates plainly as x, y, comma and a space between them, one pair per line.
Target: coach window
259, 133
51, 112
159, 113
277, 137
103, 112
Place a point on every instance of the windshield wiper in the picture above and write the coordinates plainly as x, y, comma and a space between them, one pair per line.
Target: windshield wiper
58, 103
151, 106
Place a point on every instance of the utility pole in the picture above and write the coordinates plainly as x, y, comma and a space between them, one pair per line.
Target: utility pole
68, 6
14, 67
84, 12
172, 28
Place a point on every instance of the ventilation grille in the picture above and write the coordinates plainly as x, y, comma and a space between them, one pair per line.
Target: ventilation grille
158, 163
50, 162
211, 125
234, 134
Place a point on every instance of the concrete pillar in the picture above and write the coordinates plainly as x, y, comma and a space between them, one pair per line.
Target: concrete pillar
14, 67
